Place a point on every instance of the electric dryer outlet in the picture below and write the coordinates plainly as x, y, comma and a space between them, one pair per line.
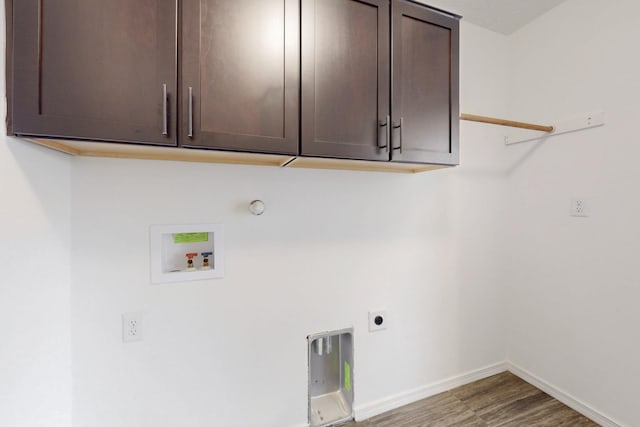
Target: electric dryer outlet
378, 320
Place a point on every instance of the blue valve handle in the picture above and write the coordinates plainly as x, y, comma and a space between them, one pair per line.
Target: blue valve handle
206, 254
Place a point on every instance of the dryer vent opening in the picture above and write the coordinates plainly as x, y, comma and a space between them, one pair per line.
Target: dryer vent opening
330, 377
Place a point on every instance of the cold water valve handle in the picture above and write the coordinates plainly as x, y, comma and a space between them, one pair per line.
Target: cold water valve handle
205, 259
190, 257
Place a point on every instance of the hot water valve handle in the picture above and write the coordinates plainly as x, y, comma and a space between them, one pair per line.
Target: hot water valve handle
190, 257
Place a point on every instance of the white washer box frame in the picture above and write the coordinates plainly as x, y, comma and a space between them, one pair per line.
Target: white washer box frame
159, 273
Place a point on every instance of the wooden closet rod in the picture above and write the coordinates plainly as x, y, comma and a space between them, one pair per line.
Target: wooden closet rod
501, 122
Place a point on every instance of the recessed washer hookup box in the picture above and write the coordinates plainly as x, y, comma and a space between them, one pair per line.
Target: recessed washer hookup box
186, 252
330, 377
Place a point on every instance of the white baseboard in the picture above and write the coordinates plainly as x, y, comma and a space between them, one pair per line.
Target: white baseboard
562, 396
363, 412
378, 407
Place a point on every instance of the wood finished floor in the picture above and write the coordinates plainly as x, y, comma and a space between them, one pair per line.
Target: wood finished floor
501, 400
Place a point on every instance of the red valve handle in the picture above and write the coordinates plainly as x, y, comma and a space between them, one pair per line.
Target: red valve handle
191, 255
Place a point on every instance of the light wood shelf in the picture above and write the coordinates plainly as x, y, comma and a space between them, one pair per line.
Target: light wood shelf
360, 165
146, 152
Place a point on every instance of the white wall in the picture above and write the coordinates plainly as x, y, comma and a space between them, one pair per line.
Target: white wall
35, 352
35, 349
435, 249
331, 246
574, 282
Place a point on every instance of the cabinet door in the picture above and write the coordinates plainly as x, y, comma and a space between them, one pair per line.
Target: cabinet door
240, 75
425, 85
345, 78
95, 69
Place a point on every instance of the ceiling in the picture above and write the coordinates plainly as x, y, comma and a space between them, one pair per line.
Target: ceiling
503, 16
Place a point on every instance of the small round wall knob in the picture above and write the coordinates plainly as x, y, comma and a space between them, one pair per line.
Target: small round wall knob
256, 207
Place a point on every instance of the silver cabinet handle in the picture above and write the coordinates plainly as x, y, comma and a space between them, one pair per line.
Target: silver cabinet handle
165, 110
190, 134
388, 133
399, 127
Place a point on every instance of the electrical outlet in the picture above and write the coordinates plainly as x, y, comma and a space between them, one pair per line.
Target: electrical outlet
131, 327
579, 208
377, 320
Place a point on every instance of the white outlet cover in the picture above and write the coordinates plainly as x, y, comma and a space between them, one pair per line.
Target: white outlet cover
373, 315
579, 207
132, 327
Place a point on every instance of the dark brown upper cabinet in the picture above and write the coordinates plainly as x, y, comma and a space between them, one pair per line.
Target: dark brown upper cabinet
424, 90
345, 78
379, 81
94, 69
240, 75
334, 79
